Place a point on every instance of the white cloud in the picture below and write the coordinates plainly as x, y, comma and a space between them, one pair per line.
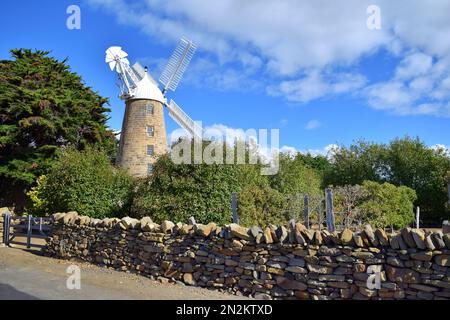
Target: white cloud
419, 87
413, 65
307, 50
327, 151
316, 85
442, 147
313, 124
218, 132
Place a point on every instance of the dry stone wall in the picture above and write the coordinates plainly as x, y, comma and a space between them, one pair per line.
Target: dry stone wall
271, 263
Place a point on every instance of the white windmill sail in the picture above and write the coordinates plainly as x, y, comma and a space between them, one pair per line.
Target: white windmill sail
184, 120
139, 70
177, 64
114, 55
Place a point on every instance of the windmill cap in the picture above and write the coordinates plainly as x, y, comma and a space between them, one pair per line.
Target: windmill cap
148, 89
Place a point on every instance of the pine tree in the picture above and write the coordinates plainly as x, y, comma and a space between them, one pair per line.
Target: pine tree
44, 107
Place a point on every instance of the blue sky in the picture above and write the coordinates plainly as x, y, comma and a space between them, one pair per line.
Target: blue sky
311, 69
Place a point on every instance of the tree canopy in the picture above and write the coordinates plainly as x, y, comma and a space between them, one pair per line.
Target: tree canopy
44, 107
402, 162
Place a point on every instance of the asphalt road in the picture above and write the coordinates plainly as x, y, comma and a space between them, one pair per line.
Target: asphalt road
25, 275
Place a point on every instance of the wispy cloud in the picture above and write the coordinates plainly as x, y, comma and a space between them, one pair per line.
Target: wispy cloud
313, 124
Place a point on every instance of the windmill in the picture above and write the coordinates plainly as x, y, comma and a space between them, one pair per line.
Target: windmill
143, 135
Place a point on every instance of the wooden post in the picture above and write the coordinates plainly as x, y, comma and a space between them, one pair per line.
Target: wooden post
29, 231
306, 210
319, 215
6, 228
418, 218
329, 209
234, 207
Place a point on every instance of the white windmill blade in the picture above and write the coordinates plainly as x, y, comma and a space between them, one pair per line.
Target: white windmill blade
180, 117
114, 55
139, 70
177, 64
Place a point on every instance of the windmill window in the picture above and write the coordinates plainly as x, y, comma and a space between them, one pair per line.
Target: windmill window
150, 168
149, 108
150, 131
150, 150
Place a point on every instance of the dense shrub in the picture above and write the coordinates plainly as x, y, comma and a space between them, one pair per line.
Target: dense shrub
295, 177
86, 182
261, 206
179, 191
387, 205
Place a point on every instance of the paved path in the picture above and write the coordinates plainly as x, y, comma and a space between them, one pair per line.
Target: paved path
26, 275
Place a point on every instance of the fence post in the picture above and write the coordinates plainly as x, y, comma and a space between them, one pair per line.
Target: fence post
329, 209
306, 210
418, 218
234, 207
319, 215
6, 226
29, 231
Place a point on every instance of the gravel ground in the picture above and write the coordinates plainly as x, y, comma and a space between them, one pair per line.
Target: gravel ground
27, 275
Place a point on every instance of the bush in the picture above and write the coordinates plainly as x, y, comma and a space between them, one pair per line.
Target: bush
294, 177
347, 201
261, 206
177, 192
86, 182
387, 205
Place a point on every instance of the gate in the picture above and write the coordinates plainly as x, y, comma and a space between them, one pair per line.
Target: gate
28, 227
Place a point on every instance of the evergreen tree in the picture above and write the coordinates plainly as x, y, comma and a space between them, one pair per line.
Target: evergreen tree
44, 107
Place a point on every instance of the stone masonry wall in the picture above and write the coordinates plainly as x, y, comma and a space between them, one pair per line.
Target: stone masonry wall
272, 263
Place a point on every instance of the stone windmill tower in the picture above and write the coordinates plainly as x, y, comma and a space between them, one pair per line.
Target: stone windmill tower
143, 137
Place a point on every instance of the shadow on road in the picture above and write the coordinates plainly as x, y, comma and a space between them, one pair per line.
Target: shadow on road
8, 292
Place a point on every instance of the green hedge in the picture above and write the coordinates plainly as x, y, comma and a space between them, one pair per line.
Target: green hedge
86, 182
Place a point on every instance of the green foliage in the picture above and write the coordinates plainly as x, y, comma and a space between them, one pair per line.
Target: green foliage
403, 162
319, 163
413, 164
357, 163
387, 205
177, 192
86, 182
294, 177
261, 206
43, 107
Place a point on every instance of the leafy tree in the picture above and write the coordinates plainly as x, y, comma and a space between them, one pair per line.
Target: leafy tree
403, 162
412, 163
43, 107
294, 177
388, 205
357, 163
317, 162
86, 182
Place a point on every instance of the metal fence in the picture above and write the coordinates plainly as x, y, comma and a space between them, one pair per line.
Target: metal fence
313, 211
29, 227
